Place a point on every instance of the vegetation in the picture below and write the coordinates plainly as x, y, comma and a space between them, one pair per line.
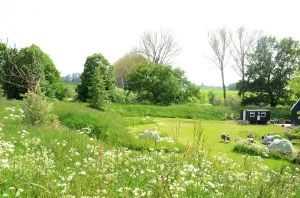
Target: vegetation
124, 65
98, 94
37, 110
68, 163
157, 48
203, 112
219, 41
96, 60
255, 150
28, 69
270, 68
160, 84
71, 78
75, 150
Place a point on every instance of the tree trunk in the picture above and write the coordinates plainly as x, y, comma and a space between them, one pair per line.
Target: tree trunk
243, 82
223, 84
273, 102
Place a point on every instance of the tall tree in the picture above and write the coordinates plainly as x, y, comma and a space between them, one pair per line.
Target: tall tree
270, 68
96, 60
158, 48
27, 70
242, 43
219, 42
124, 65
294, 83
160, 84
97, 92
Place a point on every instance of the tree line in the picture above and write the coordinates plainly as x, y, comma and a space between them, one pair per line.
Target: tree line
268, 67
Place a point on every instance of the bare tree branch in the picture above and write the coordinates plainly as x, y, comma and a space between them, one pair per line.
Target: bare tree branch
158, 48
219, 43
242, 43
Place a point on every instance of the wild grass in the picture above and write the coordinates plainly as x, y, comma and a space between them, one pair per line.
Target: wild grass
43, 162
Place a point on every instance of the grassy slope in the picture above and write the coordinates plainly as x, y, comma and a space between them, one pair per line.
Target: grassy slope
78, 115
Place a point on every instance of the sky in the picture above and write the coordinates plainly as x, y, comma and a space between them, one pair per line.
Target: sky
70, 30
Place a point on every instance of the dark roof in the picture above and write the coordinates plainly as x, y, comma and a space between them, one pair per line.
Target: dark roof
295, 104
257, 110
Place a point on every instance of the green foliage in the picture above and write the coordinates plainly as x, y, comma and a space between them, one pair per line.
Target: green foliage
252, 149
160, 84
124, 97
98, 94
270, 68
294, 83
27, 70
232, 101
107, 71
36, 109
232, 86
71, 78
293, 134
211, 97
204, 112
124, 65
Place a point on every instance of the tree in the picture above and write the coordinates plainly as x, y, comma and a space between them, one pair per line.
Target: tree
71, 78
160, 84
232, 86
97, 92
270, 68
124, 65
242, 43
96, 60
294, 83
158, 48
27, 70
219, 43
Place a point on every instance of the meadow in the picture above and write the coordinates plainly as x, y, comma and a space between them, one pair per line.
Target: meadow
97, 154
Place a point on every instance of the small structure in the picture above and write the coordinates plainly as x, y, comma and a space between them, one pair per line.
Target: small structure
270, 138
282, 146
255, 116
294, 116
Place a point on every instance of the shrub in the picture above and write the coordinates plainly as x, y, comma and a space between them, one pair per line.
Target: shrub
232, 101
97, 93
211, 97
36, 109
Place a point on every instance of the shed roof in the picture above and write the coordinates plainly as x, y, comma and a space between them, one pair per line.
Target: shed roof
295, 104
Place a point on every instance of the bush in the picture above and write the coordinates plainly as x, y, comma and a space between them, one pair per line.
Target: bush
255, 150
232, 101
36, 109
211, 97
125, 97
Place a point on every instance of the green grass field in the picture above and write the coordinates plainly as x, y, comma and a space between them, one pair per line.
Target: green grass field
218, 91
212, 130
61, 161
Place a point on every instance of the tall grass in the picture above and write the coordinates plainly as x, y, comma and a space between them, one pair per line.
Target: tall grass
42, 162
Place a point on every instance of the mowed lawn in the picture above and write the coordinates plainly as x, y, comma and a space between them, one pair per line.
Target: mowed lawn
212, 130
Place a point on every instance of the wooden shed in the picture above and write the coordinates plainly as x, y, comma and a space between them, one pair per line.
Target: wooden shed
256, 116
294, 116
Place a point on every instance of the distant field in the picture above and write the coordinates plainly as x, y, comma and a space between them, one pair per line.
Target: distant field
218, 91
